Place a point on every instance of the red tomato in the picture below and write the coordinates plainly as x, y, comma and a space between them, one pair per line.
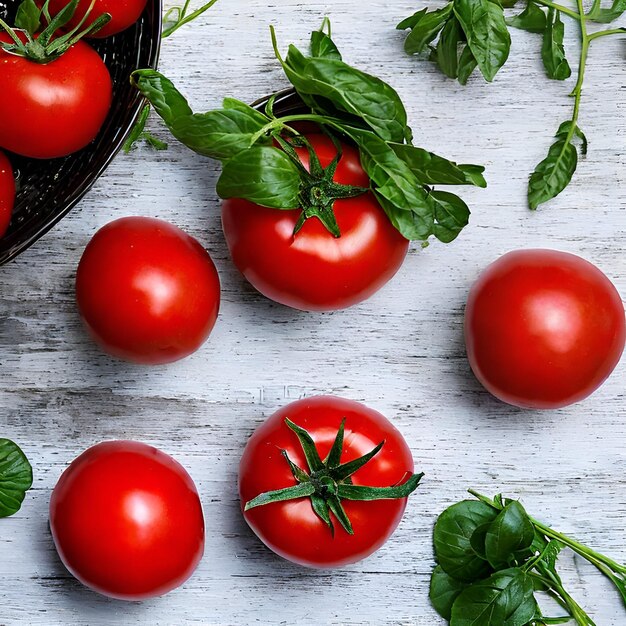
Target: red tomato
147, 291
53, 109
7, 193
126, 520
291, 528
313, 270
543, 329
124, 13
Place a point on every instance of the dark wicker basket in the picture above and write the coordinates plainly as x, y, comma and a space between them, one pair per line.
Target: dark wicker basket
48, 189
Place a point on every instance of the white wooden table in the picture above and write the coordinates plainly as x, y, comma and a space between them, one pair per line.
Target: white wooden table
401, 352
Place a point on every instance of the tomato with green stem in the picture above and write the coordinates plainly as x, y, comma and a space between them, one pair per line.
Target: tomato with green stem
543, 328
56, 90
324, 481
126, 520
333, 252
7, 193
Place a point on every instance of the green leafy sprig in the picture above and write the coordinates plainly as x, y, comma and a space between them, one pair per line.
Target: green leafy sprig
466, 34
345, 103
16, 477
493, 558
327, 482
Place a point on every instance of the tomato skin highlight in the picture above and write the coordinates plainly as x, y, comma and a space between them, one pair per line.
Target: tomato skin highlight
146, 291
314, 271
124, 13
543, 329
127, 521
291, 529
7, 193
54, 109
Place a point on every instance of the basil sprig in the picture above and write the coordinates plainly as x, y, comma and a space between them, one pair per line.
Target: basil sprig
16, 477
347, 103
493, 558
466, 34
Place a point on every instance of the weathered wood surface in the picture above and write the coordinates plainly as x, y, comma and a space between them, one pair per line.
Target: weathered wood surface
401, 352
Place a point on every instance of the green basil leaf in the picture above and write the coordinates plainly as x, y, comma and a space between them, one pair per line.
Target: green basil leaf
467, 64
263, 175
552, 50
426, 29
453, 531
165, 99
605, 16
16, 477
323, 46
512, 531
487, 34
508, 4
350, 90
432, 169
553, 174
532, 18
564, 131
477, 540
444, 590
451, 215
412, 20
28, 17
400, 194
447, 50
506, 598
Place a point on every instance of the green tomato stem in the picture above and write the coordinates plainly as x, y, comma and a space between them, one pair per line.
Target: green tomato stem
605, 33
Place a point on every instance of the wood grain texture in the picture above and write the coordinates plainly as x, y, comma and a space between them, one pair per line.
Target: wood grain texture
401, 352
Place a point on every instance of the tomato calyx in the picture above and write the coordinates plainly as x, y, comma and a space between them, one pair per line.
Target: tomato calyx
44, 47
318, 190
328, 481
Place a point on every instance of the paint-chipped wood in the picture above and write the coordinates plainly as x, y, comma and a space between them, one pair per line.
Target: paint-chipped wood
401, 352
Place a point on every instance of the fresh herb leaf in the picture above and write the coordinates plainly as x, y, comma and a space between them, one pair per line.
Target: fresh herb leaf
16, 477
425, 29
552, 50
28, 17
506, 598
467, 64
447, 50
444, 590
532, 18
452, 540
554, 173
263, 175
511, 532
606, 16
486, 32
322, 45
451, 215
412, 20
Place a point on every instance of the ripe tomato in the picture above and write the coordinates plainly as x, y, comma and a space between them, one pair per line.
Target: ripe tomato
127, 521
53, 109
7, 193
313, 270
543, 329
147, 291
291, 528
124, 13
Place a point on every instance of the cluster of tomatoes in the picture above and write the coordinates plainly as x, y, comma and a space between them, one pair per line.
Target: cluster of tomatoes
55, 99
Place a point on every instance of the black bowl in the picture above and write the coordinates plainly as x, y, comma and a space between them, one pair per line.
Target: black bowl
49, 189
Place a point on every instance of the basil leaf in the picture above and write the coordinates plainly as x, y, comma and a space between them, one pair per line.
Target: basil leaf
323, 46
487, 34
432, 169
426, 29
444, 590
165, 99
532, 18
512, 531
564, 129
477, 540
350, 90
605, 16
400, 194
263, 175
451, 215
467, 64
553, 174
453, 531
505, 598
552, 50
16, 477
447, 50
412, 20
28, 17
